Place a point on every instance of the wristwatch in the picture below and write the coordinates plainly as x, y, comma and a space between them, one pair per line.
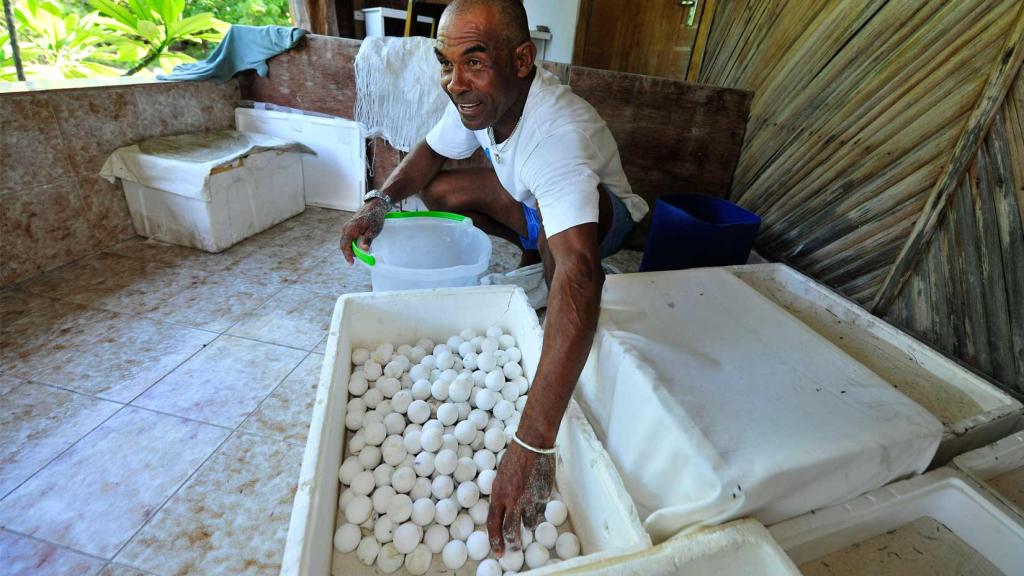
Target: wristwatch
377, 194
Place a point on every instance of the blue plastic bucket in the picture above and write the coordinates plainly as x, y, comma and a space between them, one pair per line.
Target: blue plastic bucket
693, 231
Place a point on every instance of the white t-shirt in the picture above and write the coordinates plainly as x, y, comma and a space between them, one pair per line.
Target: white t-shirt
554, 161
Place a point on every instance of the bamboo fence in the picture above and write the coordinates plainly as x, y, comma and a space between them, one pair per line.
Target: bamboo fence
875, 126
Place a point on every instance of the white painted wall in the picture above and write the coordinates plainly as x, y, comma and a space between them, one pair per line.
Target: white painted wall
560, 17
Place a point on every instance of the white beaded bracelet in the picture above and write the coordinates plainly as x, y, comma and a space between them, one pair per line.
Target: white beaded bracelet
517, 440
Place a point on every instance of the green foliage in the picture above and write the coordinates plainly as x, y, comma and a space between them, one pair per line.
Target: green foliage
55, 43
248, 12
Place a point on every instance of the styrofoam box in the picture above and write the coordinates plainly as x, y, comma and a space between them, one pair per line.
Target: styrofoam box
600, 510
740, 548
246, 197
973, 412
334, 177
945, 495
999, 467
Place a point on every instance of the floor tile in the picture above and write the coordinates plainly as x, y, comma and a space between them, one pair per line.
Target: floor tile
181, 256
626, 261
223, 383
97, 352
295, 318
504, 256
334, 276
115, 283
216, 303
39, 422
286, 265
96, 495
122, 570
285, 413
8, 383
321, 348
22, 556
230, 518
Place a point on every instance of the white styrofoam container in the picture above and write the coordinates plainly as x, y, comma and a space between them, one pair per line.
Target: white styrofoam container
1005, 456
946, 495
937, 383
739, 548
245, 198
600, 510
335, 177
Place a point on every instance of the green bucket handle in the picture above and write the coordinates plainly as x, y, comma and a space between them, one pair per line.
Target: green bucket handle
370, 260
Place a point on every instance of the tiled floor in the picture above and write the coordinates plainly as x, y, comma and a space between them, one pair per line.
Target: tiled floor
154, 401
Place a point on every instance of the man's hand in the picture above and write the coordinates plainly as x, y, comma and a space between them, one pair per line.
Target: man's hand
521, 491
364, 226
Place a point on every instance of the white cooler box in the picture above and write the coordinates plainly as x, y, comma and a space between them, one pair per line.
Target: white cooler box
209, 190
600, 510
716, 404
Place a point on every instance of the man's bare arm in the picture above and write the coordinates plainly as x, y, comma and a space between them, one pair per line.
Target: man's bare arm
525, 478
412, 175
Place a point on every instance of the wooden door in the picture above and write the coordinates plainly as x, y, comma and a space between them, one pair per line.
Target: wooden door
650, 37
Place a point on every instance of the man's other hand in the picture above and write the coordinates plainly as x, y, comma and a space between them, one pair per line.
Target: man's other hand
364, 226
520, 492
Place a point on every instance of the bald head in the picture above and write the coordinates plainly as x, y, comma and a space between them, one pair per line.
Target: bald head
510, 17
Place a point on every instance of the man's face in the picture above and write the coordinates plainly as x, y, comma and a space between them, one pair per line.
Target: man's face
478, 69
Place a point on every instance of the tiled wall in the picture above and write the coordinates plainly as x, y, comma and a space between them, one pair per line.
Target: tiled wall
54, 208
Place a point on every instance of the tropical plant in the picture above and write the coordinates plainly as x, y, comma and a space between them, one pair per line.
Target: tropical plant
56, 44
247, 12
151, 32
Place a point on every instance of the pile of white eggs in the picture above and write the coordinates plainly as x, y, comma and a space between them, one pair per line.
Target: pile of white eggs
429, 425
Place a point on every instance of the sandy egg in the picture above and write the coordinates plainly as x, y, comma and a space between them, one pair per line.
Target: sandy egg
454, 554
367, 550
442, 487
485, 481
381, 498
347, 538
403, 479
461, 527
489, 567
436, 537
400, 508
467, 494
359, 509
417, 562
383, 529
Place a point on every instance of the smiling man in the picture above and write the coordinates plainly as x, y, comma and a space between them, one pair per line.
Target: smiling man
555, 186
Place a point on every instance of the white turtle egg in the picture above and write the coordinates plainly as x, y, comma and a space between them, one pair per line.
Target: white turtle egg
470, 362
354, 421
445, 511
357, 442
394, 423
419, 372
448, 414
466, 348
465, 431
454, 554
461, 389
446, 462
358, 509
384, 408
485, 481
433, 424
479, 418
357, 385
465, 470
423, 511
438, 349
372, 398
462, 527
567, 546
494, 423
436, 537
510, 392
442, 487
546, 534
439, 389
389, 386
512, 561
407, 536
400, 508
485, 459
367, 550
385, 350
382, 475
479, 376
449, 375
347, 537
445, 360
423, 464
478, 512
369, 457
521, 404
394, 369
359, 357
485, 361
503, 409
372, 370
489, 567
403, 349
525, 537
393, 450
345, 498
421, 489
383, 529
506, 341
495, 380
412, 441
536, 555
375, 432
418, 412
464, 451
429, 362
416, 354
420, 390
512, 370
468, 494
382, 498
403, 479
406, 381
464, 410
489, 345
486, 399
494, 332
500, 358
362, 484
349, 468
449, 442
478, 441
556, 512
356, 405
432, 439
467, 334
494, 439
425, 343
417, 562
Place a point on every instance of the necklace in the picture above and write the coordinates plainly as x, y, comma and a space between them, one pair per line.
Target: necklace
496, 150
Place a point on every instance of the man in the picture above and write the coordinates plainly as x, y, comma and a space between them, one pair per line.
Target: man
555, 185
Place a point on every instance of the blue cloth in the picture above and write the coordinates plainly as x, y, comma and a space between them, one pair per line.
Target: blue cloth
622, 225
243, 48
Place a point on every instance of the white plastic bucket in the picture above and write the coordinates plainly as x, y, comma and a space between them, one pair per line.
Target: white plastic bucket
426, 250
